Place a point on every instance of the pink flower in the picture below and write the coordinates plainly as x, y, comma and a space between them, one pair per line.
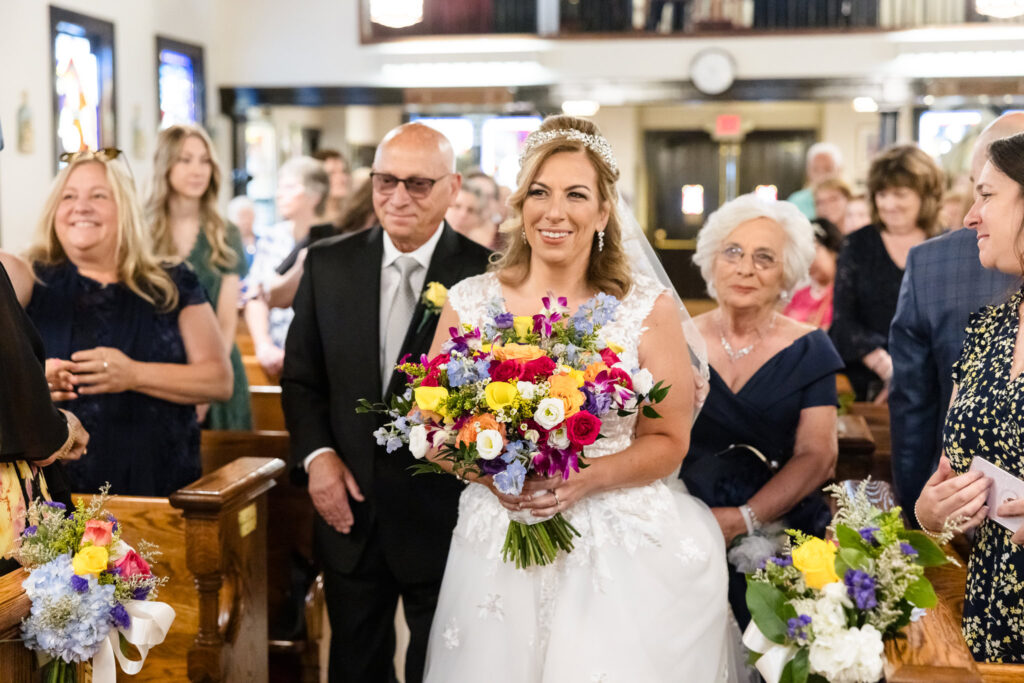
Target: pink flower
538, 368
506, 370
97, 532
583, 428
132, 564
609, 357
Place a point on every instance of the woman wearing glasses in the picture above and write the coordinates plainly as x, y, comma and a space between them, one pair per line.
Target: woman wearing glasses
182, 213
302, 186
766, 440
905, 189
132, 344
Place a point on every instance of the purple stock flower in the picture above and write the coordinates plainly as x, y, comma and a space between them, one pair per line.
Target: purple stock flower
141, 593
120, 616
54, 504
30, 530
491, 466
796, 628
503, 321
777, 560
79, 583
868, 534
908, 549
861, 588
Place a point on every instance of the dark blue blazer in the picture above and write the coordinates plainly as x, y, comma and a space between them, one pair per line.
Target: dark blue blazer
943, 284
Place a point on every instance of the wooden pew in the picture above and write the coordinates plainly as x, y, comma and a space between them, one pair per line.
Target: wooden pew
255, 373
864, 424
267, 413
16, 663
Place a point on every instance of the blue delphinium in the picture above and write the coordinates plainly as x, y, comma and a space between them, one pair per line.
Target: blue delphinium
510, 481
63, 622
796, 628
861, 588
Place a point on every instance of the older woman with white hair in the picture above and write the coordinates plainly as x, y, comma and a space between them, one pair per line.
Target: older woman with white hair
766, 440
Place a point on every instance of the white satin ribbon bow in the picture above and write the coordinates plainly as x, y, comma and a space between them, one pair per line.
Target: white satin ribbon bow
774, 656
150, 622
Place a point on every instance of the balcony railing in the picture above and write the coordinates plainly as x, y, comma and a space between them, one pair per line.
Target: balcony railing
572, 18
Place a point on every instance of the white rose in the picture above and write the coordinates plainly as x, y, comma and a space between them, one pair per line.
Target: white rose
643, 381
528, 390
559, 438
418, 443
851, 655
489, 444
550, 412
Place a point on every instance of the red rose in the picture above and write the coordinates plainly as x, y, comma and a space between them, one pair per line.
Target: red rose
431, 379
609, 357
583, 428
132, 564
539, 367
621, 377
506, 370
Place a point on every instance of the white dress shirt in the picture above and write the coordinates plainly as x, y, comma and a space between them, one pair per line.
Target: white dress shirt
389, 281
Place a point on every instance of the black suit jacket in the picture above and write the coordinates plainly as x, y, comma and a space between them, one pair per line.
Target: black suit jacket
331, 361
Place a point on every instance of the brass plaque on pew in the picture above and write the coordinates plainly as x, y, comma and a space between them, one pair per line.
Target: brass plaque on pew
247, 520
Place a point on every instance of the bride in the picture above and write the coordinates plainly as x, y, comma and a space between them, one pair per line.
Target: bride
642, 598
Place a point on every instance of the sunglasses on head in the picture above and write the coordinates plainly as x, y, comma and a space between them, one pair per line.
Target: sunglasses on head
104, 154
385, 183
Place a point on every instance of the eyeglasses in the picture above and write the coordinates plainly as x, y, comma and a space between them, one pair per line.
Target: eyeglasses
762, 258
104, 154
417, 187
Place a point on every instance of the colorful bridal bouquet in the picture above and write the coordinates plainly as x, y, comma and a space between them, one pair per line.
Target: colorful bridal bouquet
822, 609
521, 395
92, 594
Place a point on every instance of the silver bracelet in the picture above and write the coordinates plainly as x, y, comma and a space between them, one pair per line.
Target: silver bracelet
749, 518
922, 527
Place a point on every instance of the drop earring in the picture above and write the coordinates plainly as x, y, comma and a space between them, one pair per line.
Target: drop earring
600, 241
524, 236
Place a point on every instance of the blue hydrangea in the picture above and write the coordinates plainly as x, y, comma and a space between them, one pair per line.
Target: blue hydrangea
63, 622
462, 371
510, 482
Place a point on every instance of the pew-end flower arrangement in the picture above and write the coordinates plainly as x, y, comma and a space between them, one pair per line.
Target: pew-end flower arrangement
93, 595
518, 395
822, 609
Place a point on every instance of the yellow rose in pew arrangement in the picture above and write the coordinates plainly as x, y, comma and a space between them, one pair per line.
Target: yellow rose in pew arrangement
91, 560
435, 296
500, 394
816, 559
430, 398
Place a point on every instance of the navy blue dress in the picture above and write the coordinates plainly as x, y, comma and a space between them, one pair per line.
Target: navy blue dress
142, 445
763, 414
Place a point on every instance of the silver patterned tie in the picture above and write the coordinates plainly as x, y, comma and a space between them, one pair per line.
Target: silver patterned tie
399, 316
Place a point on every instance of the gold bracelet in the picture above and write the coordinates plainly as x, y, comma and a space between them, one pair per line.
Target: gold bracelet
69, 443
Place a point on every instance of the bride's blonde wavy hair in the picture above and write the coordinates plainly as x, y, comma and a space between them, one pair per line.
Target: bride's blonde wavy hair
608, 269
137, 267
168, 148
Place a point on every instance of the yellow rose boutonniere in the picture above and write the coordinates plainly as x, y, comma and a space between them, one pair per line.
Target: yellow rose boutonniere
433, 299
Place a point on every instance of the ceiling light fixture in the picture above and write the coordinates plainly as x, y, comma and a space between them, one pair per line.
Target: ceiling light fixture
396, 13
1000, 9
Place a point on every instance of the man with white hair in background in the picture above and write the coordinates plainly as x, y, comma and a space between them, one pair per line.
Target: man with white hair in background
944, 282
824, 160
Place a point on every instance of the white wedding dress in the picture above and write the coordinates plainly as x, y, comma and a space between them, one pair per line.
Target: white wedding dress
641, 599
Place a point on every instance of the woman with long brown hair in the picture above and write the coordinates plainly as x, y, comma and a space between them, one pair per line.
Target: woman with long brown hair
182, 214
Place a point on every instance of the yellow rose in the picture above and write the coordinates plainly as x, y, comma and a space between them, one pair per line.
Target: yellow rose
616, 347
577, 375
523, 325
499, 395
91, 560
435, 295
430, 398
523, 352
817, 560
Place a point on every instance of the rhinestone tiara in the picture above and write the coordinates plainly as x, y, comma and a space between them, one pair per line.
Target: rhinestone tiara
594, 143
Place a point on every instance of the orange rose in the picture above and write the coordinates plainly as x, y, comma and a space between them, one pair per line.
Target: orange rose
564, 387
593, 370
521, 352
476, 425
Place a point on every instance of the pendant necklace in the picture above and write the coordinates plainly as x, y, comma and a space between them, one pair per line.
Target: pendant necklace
735, 355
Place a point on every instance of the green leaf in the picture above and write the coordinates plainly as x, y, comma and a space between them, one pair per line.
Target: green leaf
921, 593
853, 559
928, 553
796, 669
766, 603
651, 413
850, 538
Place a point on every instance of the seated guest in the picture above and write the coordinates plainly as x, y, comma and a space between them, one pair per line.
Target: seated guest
905, 187
182, 214
984, 421
824, 160
813, 304
830, 199
340, 181
766, 440
132, 345
858, 214
302, 187
468, 216
242, 212
34, 434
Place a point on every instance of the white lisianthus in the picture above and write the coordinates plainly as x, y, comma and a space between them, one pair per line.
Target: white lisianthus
418, 442
851, 655
528, 390
643, 381
532, 435
118, 550
442, 436
559, 438
550, 412
489, 444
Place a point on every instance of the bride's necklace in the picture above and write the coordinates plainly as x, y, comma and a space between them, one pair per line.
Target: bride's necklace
735, 354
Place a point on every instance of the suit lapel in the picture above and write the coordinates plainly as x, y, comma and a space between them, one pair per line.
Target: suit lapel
365, 309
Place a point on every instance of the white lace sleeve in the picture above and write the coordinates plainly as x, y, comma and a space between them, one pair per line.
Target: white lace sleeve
470, 297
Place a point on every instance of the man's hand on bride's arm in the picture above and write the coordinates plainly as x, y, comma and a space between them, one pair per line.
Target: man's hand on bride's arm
331, 482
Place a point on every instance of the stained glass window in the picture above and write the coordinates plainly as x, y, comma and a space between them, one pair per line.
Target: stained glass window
179, 82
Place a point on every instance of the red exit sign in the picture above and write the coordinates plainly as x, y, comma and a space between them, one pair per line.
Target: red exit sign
728, 125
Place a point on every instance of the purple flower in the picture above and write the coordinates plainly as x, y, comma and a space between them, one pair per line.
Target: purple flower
797, 627
460, 342
868, 534
908, 549
861, 588
79, 583
30, 530
54, 504
493, 466
778, 561
120, 616
597, 403
503, 321
141, 593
